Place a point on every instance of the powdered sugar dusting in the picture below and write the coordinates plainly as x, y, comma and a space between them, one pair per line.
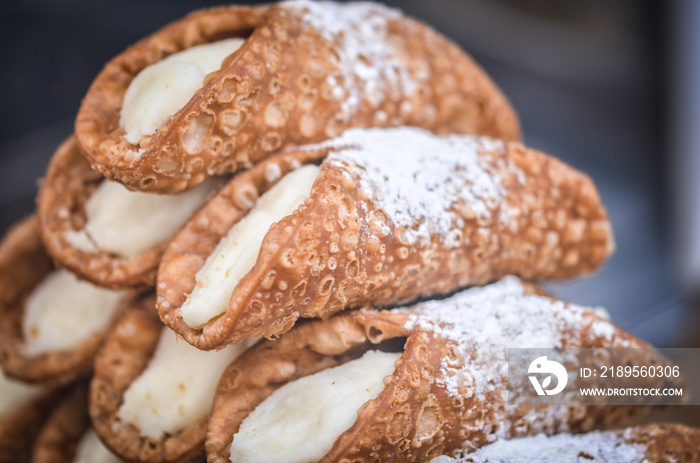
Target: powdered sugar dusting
485, 322
603, 329
420, 180
607, 447
369, 69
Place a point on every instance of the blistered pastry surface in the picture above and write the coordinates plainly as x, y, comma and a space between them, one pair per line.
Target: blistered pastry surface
266, 366
163, 88
448, 389
306, 72
191, 247
124, 356
236, 253
61, 203
454, 211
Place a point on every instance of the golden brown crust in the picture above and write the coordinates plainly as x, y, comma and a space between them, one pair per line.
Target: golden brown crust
66, 188
274, 92
125, 354
666, 443
19, 430
415, 417
265, 367
59, 437
23, 265
190, 248
335, 253
97, 124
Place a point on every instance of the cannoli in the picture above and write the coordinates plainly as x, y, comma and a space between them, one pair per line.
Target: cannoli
23, 409
51, 323
391, 215
151, 393
67, 436
292, 73
445, 391
642, 444
103, 232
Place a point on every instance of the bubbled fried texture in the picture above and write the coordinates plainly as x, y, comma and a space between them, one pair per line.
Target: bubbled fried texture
162, 168
189, 249
341, 250
266, 366
417, 416
277, 91
61, 434
124, 356
666, 443
23, 265
68, 185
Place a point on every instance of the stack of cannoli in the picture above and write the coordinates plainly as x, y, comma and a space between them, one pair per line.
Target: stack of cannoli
298, 232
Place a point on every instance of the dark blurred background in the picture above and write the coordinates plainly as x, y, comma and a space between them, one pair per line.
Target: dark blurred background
606, 85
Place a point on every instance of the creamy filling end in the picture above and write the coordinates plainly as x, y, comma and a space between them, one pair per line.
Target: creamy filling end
177, 388
163, 88
62, 311
237, 252
128, 223
300, 421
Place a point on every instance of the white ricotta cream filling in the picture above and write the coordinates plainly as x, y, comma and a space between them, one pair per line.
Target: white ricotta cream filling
299, 422
14, 394
128, 223
91, 449
162, 89
177, 388
236, 253
62, 311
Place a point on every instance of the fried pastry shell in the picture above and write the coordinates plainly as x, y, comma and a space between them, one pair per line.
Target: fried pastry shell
61, 207
124, 356
19, 431
60, 435
24, 263
297, 79
415, 417
343, 248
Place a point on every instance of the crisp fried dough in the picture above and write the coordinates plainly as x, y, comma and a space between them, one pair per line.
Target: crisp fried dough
122, 359
19, 430
344, 248
190, 248
419, 414
298, 78
666, 442
68, 185
641, 444
60, 435
24, 263
61, 209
